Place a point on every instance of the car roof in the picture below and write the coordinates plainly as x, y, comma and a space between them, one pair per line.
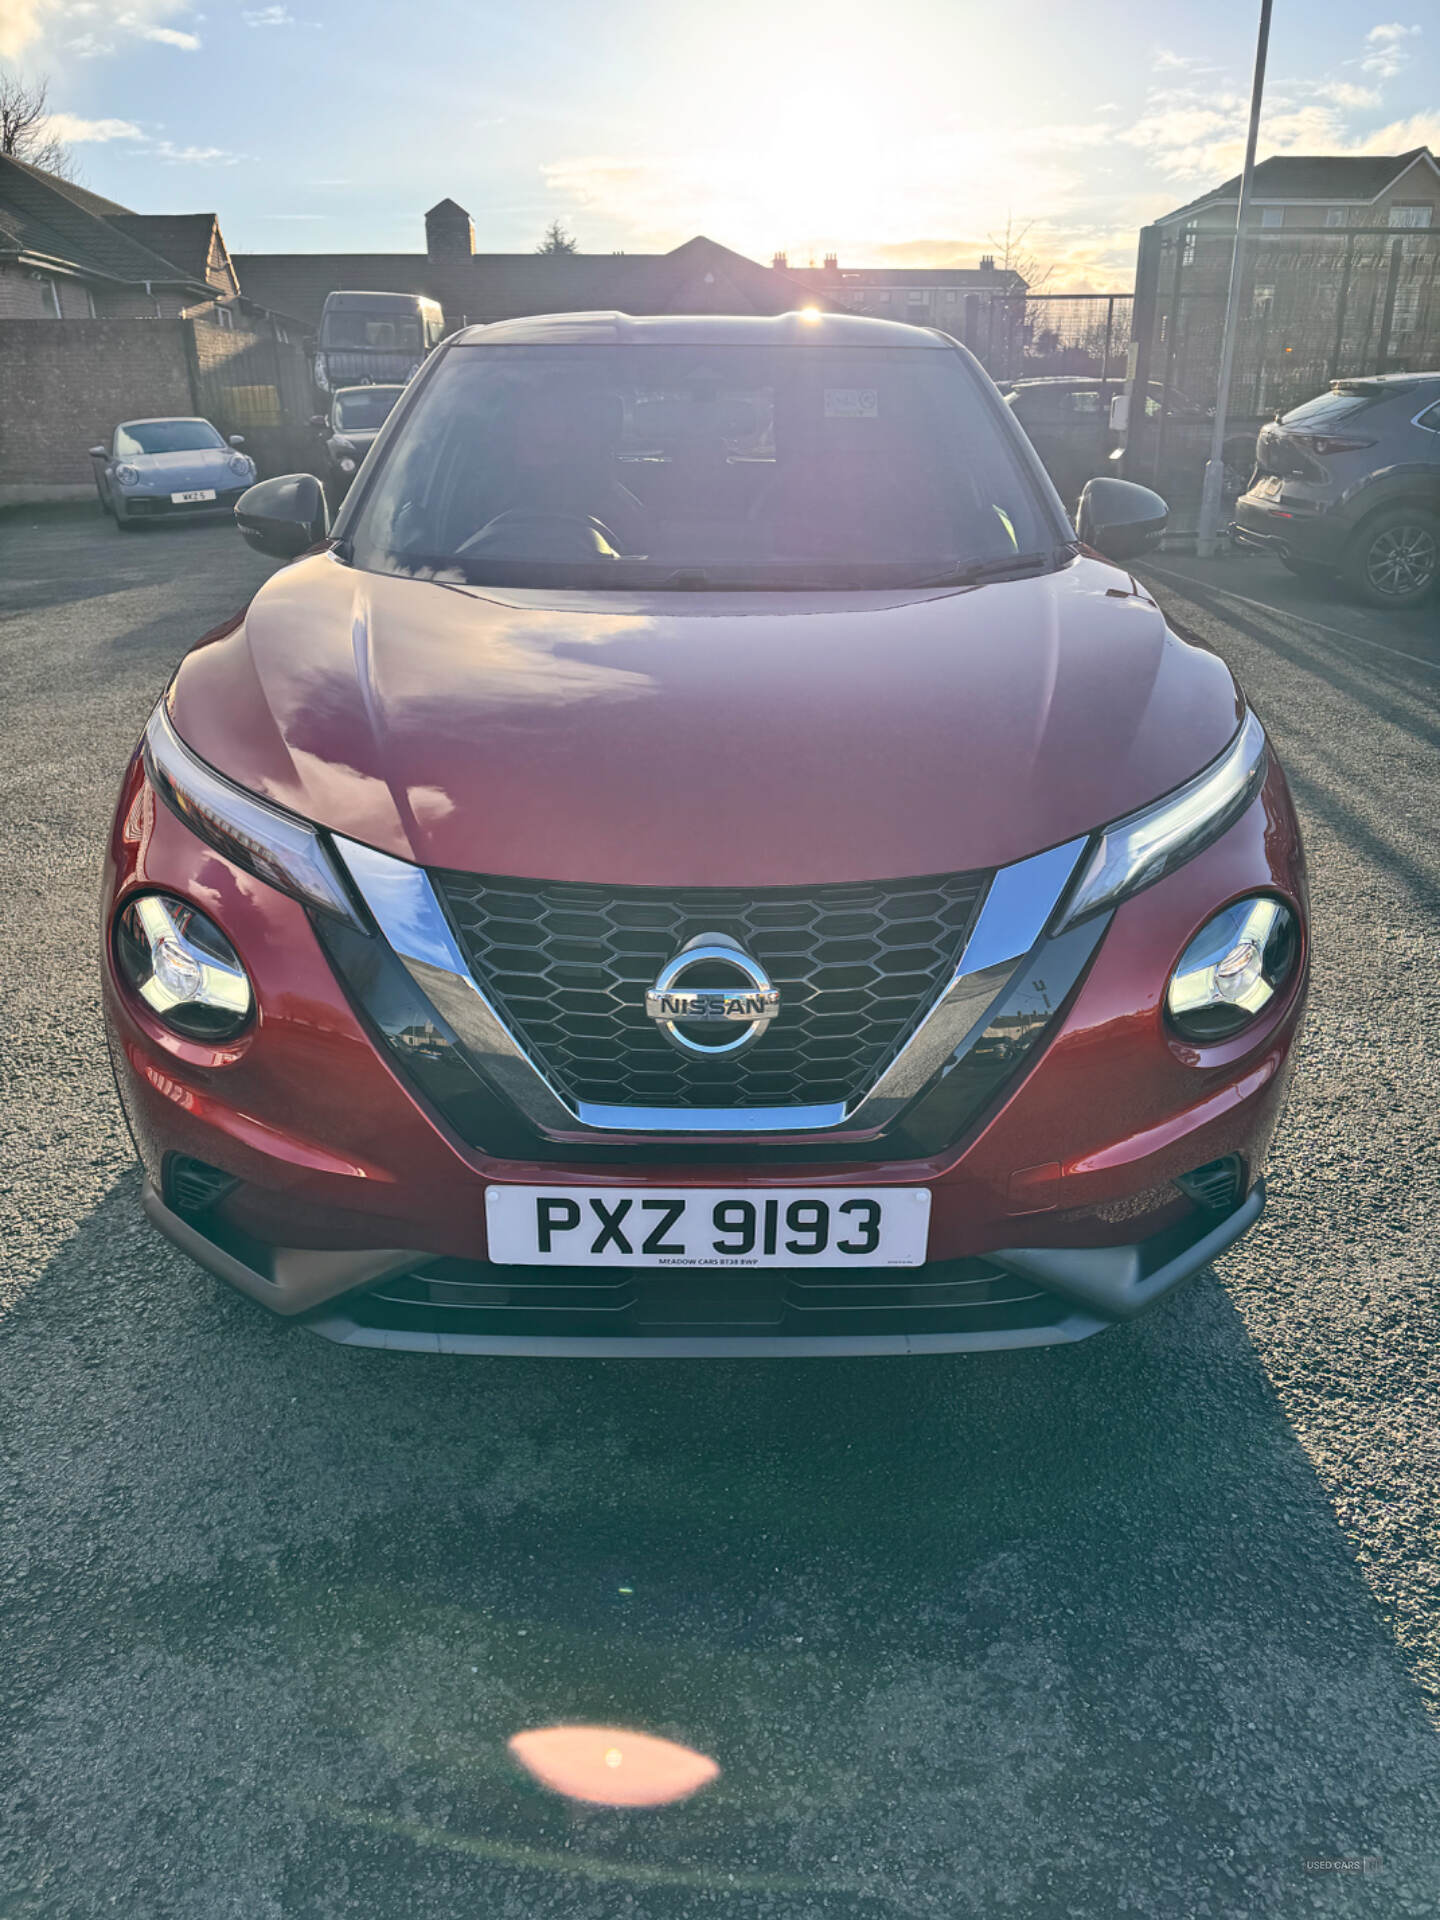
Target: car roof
811, 328
170, 420
1384, 379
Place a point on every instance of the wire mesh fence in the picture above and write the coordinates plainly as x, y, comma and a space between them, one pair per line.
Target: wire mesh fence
1315, 305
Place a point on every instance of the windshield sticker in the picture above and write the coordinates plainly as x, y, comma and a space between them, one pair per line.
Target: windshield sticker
852, 403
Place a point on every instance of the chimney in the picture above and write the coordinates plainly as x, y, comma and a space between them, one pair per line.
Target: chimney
832, 262
779, 262
449, 234
987, 263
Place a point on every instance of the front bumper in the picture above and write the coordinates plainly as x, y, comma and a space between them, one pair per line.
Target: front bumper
159, 506
351, 1298
353, 1207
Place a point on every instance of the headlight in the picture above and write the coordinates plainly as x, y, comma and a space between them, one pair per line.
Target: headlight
128, 476
242, 464
274, 846
1144, 847
183, 967
1232, 969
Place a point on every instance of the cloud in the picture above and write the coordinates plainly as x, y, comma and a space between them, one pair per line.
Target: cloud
267, 17
103, 24
194, 156
1344, 93
1166, 60
166, 36
77, 132
1388, 52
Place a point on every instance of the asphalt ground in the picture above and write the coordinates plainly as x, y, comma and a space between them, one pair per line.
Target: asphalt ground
1142, 1626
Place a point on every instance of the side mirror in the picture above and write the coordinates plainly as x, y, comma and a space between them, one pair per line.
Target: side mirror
284, 516
1120, 519
99, 453
237, 439
318, 420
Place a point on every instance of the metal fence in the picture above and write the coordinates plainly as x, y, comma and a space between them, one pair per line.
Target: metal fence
1316, 304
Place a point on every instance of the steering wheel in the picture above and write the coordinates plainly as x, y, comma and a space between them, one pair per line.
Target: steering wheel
523, 534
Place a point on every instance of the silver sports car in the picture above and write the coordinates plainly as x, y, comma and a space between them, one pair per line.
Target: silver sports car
164, 469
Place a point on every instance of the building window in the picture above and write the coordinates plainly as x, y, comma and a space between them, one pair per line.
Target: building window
1411, 216
1406, 315
1187, 250
52, 287
1262, 299
883, 296
916, 297
1335, 216
1272, 216
951, 296
224, 319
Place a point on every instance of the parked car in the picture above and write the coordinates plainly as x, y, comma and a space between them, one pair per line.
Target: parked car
1068, 420
1349, 484
169, 469
355, 416
725, 875
374, 336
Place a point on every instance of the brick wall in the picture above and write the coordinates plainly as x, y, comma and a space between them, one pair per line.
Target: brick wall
22, 297
65, 385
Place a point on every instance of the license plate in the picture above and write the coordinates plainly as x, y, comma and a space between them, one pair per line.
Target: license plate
708, 1226
200, 493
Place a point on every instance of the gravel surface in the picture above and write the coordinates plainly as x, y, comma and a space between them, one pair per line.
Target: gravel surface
1136, 1627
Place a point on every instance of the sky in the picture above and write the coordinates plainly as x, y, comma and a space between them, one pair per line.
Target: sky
906, 133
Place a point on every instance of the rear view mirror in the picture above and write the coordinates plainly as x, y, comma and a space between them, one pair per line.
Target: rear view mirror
284, 516
1119, 518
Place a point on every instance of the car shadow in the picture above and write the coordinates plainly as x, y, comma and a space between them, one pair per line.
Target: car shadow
1060, 1632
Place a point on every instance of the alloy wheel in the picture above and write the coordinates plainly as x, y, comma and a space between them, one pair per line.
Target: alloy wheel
1402, 559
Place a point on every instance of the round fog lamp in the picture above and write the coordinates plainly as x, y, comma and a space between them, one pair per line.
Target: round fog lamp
1232, 969
182, 967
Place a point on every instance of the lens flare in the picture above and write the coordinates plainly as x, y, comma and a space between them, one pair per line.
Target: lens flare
612, 1766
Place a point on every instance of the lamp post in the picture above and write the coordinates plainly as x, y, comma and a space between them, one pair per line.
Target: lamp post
1215, 466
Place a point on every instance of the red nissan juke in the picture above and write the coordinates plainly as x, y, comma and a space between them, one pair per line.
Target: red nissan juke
701, 860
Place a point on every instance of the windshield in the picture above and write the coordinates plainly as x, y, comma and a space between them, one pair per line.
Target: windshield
701, 466
364, 409
380, 332
165, 436
1328, 409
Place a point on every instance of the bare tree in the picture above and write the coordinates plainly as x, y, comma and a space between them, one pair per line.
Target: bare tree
1017, 257
557, 240
24, 125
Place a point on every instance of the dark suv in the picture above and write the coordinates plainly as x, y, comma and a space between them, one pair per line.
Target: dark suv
1349, 483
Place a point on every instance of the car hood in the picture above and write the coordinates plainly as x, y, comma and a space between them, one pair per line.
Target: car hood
705, 739
192, 460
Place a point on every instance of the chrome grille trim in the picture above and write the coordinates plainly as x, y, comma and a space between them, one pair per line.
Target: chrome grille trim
1018, 905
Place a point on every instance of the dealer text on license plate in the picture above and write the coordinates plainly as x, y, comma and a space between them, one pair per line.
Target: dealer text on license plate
184, 499
708, 1226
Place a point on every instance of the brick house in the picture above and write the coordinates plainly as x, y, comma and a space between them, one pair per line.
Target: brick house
925, 296
473, 288
69, 254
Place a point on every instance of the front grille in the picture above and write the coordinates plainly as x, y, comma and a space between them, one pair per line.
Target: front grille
567, 967
462, 1296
